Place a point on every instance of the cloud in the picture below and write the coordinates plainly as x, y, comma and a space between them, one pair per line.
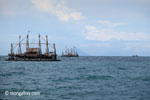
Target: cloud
110, 24
57, 8
95, 45
92, 33
14, 7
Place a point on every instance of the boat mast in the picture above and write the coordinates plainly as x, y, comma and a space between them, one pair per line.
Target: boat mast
11, 50
47, 49
40, 45
73, 51
55, 56
27, 43
19, 46
54, 49
68, 51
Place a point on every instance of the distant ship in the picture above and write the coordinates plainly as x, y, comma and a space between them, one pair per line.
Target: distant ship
135, 56
33, 54
72, 52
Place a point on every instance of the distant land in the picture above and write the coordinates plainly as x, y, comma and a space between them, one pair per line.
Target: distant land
82, 53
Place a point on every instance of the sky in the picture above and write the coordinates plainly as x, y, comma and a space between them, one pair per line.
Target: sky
96, 27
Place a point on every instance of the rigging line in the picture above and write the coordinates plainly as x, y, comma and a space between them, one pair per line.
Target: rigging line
43, 38
33, 43
18, 43
22, 39
51, 45
15, 46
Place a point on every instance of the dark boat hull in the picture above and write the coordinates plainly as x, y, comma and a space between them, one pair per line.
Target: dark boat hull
22, 57
69, 56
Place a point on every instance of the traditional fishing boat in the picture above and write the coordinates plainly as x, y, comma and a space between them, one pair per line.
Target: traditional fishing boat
32, 53
72, 52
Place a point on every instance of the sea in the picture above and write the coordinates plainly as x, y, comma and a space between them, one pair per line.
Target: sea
76, 78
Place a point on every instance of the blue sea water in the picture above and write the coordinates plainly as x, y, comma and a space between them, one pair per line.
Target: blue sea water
78, 78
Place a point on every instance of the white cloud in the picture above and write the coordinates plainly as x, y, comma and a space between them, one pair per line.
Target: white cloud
92, 33
57, 8
95, 45
14, 7
111, 24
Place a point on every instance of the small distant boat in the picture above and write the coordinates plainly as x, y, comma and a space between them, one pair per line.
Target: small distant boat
135, 56
72, 52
